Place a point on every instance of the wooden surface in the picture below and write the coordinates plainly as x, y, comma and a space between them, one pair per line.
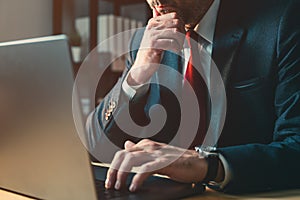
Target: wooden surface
284, 195
208, 195
11, 196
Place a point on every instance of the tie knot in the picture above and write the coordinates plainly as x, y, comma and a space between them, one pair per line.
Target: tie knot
191, 34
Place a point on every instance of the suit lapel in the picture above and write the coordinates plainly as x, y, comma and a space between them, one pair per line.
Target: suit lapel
229, 35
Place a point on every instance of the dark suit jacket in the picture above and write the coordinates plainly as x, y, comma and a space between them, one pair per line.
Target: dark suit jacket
257, 50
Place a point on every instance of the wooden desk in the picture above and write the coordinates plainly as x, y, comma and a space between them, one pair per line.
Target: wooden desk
208, 195
213, 195
11, 196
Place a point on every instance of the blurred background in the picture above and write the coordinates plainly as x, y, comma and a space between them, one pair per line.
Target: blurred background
85, 22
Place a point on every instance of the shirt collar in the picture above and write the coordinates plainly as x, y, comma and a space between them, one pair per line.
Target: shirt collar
206, 27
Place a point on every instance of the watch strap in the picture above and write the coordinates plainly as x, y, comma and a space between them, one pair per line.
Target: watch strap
212, 168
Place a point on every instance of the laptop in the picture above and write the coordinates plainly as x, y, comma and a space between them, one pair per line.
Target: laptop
41, 153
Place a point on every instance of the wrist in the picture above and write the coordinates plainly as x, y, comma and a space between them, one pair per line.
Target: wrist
133, 81
212, 161
148, 55
146, 64
215, 169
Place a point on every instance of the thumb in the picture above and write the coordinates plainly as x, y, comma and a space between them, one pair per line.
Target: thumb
128, 144
155, 13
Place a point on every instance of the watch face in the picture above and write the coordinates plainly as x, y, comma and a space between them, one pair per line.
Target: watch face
205, 151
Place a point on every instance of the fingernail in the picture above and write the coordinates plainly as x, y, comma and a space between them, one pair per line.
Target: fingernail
132, 188
107, 183
117, 185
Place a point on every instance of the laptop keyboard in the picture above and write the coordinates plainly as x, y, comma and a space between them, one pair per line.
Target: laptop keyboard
153, 188
104, 193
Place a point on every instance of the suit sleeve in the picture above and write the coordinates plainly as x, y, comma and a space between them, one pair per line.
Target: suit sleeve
259, 167
101, 127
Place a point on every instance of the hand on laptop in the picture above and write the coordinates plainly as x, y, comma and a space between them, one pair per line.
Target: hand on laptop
154, 158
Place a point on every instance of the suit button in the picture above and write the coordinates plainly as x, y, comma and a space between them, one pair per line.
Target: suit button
110, 109
113, 104
107, 115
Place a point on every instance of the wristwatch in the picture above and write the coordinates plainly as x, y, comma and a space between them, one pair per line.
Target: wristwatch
212, 158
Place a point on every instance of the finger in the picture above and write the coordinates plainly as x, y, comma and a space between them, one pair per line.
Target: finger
172, 33
160, 19
145, 171
128, 144
138, 180
110, 178
113, 169
121, 179
131, 160
149, 142
149, 146
155, 13
164, 40
145, 142
154, 22
124, 170
172, 15
167, 44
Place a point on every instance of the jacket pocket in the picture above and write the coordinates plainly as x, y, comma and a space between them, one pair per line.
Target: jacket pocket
249, 84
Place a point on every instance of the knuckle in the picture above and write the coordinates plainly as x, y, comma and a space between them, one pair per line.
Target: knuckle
152, 20
146, 169
176, 30
129, 158
174, 15
152, 146
164, 23
149, 26
120, 154
145, 141
176, 21
159, 153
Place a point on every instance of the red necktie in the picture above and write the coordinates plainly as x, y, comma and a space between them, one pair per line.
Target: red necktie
198, 85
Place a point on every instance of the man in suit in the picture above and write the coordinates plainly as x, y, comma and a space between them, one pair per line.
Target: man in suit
256, 47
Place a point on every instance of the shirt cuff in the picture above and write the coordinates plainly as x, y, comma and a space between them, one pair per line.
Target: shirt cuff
134, 91
227, 174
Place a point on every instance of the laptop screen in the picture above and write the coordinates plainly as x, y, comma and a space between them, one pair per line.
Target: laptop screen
41, 153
